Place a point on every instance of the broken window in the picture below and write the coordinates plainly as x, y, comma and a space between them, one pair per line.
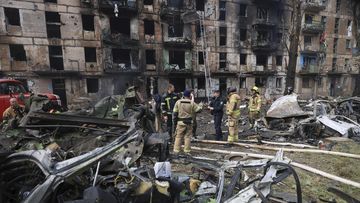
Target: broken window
179, 83
243, 34
222, 31
336, 29
175, 4
120, 26
50, 1
12, 16
177, 57
150, 57
243, 59
201, 58
279, 37
121, 56
278, 82
306, 82
53, 24
348, 44
260, 81
323, 20
338, 4
334, 61
279, 60
149, 27
176, 29
242, 82
17, 52
243, 10
222, 10
199, 29
347, 64
201, 83
262, 13
148, 2
90, 54
222, 61
335, 45
319, 81
261, 60
56, 58
308, 19
307, 40
263, 36
222, 85
88, 22
92, 85
200, 5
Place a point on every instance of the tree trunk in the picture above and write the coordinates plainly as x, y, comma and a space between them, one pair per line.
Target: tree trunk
294, 43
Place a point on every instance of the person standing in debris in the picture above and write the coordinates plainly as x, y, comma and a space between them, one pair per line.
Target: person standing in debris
184, 112
233, 113
216, 108
254, 106
13, 111
167, 105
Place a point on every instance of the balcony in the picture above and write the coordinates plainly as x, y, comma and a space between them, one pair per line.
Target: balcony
126, 67
309, 69
336, 70
310, 49
178, 42
73, 72
313, 27
263, 45
119, 39
171, 7
314, 5
176, 68
125, 7
264, 22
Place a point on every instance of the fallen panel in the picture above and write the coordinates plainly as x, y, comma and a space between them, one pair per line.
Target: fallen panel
338, 125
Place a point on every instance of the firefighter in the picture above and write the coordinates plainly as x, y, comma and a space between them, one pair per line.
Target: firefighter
167, 105
13, 111
184, 112
233, 113
254, 106
216, 108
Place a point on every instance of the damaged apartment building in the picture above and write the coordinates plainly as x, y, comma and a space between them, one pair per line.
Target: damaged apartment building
325, 54
94, 48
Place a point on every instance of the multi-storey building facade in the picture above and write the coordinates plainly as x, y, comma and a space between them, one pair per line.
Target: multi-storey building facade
325, 56
93, 48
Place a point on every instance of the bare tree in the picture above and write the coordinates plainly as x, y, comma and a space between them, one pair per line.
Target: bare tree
355, 5
293, 40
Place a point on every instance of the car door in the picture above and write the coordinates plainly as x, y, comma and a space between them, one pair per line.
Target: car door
4, 98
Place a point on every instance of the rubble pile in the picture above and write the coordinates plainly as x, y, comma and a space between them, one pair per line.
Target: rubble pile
112, 153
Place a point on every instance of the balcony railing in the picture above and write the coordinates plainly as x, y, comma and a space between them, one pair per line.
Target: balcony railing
178, 42
309, 69
264, 22
176, 68
124, 6
265, 45
314, 5
336, 70
314, 27
119, 39
125, 67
